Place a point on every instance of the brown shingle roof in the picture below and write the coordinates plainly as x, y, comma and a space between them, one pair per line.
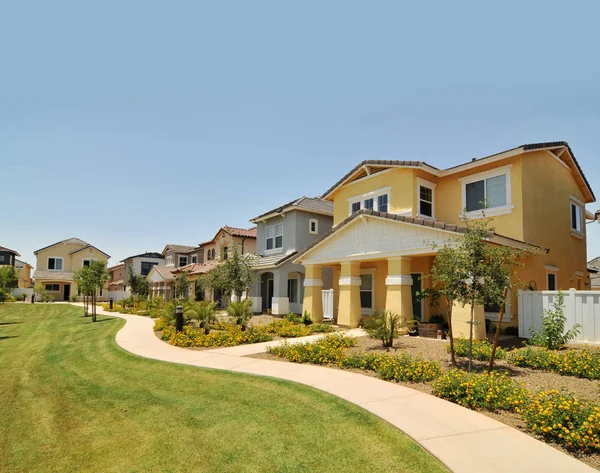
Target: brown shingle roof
166, 272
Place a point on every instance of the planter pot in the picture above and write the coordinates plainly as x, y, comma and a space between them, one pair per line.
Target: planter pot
429, 330
413, 333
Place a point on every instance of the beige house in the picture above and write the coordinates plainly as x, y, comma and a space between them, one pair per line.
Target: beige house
57, 263
117, 281
224, 242
161, 282
23, 270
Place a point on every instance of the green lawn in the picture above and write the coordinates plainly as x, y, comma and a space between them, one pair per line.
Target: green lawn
72, 400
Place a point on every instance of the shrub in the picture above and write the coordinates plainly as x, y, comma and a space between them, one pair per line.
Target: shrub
328, 350
492, 392
291, 330
307, 319
402, 367
160, 324
584, 363
204, 313
385, 326
294, 318
553, 334
322, 328
191, 337
565, 420
482, 349
241, 311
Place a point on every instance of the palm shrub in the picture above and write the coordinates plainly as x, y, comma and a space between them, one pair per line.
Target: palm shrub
204, 312
553, 334
386, 325
241, 311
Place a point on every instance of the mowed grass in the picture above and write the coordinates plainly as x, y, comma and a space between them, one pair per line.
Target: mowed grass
71, 400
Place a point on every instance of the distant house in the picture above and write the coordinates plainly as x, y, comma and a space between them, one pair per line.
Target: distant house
142, 264
117, 278
7, 256
594, 272
57, 263
180, 255
161, 282
24, 274
281, 233
223, 243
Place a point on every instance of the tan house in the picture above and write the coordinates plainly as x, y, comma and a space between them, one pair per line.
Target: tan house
117, 282
224, 242
57, 263
24, 274
161, 282
391, 217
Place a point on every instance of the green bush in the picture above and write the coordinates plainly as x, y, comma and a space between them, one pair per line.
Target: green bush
307, 319
385, 326
492, 392
241, 311
564, 419
553, 334
482, 349
328, 350
402, 367
322, 328
294, 318
584, 363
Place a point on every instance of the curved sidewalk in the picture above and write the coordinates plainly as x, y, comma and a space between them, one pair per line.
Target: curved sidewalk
463, 440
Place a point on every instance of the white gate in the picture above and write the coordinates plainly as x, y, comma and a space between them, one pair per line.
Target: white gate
327, 304
581, 307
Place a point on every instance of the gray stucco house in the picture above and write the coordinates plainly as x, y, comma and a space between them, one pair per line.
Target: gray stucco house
8, 256
281, 234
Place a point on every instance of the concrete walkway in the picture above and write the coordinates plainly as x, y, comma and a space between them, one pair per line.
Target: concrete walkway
463, 440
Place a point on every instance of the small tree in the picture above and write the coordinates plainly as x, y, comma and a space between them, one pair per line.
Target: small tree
241, 311
83, 279
8, 281
386, 325
553, 334
182, 286
40, 292
232, 276
138, 285
204, 312
98, 277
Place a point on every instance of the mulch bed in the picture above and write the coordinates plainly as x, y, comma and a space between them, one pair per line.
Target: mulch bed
533, 380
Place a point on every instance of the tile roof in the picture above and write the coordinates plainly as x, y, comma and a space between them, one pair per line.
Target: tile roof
2, 248
53, 276
263, 262
383, 164
241, 232
309, 204
196, 268
459, 229
89, 246
118, 282
164, 271
178, 248
148, 254
116, 266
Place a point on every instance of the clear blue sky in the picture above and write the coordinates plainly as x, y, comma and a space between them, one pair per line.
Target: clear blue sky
133, 124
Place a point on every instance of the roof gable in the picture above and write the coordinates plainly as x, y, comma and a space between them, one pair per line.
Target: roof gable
308, 204
68, 241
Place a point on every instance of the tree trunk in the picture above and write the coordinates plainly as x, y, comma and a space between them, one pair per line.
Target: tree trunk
451, 334
471, 335
498, 328
94, 307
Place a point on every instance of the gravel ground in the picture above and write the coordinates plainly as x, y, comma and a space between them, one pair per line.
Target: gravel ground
437, 350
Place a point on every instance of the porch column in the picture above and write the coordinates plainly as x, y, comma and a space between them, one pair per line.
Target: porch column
399, 281
349, 309
313, 298
280, 302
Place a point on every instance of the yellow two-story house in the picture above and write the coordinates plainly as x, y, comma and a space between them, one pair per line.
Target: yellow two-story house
57, 263
390, 217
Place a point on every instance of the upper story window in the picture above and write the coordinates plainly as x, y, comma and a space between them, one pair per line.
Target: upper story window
375, 200
147, 267
313, 226
1, 258
487, 192
55, 264
194, 259
274, 236
183, 261
169, 260
225, 252
87, 262
425, 198
576, 216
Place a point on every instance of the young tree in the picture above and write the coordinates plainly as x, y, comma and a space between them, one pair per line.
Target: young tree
138, 285
233, 276
8, 281
182, 286
472, 271
241, 311
99, 276
83, 278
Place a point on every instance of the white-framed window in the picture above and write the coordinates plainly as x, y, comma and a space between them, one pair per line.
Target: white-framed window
194, 259
86, 262
425, 198
293, 290
367, 291
183, 261
53, 287
551, 278
491, 189
374, 200
169, 260
576, 216
55, 263
274, 237
313, 226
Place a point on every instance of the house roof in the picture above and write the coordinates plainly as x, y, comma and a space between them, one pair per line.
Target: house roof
148, 254
68, 241
53, 276
308, 204
22, 262
118, 282
2, 248
558, 148
164, 271
116, 266
233, 231
265, 262
178, 248
458, 229
195, 268
89, 246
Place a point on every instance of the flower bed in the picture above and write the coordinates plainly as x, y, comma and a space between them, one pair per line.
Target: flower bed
482, 349
584, 363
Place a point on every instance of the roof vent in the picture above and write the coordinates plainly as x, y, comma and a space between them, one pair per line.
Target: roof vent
473, 159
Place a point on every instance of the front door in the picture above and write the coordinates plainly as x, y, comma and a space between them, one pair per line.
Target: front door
67, 292
417, 303
270, 292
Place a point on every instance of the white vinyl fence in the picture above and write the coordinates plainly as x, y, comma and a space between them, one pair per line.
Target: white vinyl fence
118, 295
21, 290
581, 307
327, 304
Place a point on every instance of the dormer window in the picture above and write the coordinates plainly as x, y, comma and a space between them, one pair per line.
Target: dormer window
487, 193
375, 200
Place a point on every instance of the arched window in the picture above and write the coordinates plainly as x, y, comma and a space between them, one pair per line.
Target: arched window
213, 254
